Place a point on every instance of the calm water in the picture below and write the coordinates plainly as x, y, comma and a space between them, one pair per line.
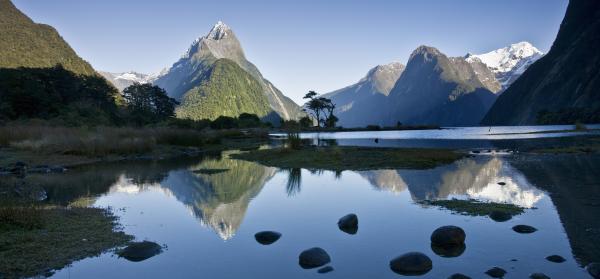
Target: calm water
451, 137
208, 222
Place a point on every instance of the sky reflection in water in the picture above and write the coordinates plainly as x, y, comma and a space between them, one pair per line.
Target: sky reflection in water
208, 221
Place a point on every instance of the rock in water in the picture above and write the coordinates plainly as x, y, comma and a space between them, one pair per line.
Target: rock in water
267, 237
448, 236
326, 269
496, 272
538, 276
139, 251
524, 229
500, 216
459, 276
501, 183
313, 257
412, 263
349, 224
555, 259
593, 269
448, 251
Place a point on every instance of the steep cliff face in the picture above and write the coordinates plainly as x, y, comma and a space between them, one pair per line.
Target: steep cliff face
435, 89
24, 43
565, 83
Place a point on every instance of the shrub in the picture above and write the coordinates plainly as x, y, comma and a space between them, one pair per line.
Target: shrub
293, 141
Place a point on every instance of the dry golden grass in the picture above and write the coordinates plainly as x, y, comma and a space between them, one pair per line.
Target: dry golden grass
98, 141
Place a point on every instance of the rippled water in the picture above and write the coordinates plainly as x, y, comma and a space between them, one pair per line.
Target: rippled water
208, 221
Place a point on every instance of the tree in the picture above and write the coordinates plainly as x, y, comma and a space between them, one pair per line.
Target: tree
305, 122
248, 120
318, 106
147, 103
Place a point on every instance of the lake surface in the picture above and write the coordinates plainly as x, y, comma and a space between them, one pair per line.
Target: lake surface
208, 221
450, 137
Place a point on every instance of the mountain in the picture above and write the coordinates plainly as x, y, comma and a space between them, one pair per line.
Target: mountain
197, 64
28, 44
564, 85
435, 89
358, 105
507, 63
225, 90
123, 80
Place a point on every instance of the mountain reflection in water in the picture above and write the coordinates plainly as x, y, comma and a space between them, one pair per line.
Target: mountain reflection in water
475, 178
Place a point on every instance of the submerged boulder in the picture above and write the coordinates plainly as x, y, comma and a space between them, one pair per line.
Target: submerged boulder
496, 272
348, 224
459, 276
524, 229
267, 237
555, 259
412, 263
326, 269
139, 251
538, 275
313, 257
448, 236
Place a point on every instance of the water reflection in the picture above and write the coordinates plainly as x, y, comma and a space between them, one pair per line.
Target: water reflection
476, 178
217, 200
304, 206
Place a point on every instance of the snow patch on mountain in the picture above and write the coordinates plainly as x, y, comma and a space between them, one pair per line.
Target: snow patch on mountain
508, 63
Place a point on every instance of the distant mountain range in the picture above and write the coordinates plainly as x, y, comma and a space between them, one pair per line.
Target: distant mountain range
432, 88
564, 85
123, 80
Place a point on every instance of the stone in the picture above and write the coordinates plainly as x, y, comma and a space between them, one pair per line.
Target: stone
139, 251
326, 269
448, 251
593, 269
500, 216
348, 224
524, 229
267, 237
412, 263
448, 236
496, 272
538, 275
313, 257
459, 276
555, 259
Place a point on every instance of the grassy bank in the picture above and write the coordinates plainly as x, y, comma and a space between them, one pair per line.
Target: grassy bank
79, 145
577, 145
338, 158
475, 208
35, 241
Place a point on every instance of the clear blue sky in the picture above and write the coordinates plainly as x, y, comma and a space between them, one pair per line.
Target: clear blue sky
298, 45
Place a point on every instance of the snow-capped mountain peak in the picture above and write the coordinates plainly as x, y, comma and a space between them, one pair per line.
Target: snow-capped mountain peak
508, 63
218, 31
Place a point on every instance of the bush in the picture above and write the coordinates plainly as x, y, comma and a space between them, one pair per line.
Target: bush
224, 122
293, 141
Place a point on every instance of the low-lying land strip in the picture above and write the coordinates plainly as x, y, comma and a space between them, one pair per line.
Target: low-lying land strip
339, 158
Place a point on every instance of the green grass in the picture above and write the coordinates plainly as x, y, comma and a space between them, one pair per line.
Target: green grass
475, 208
574, 146
55, 238
351, 158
